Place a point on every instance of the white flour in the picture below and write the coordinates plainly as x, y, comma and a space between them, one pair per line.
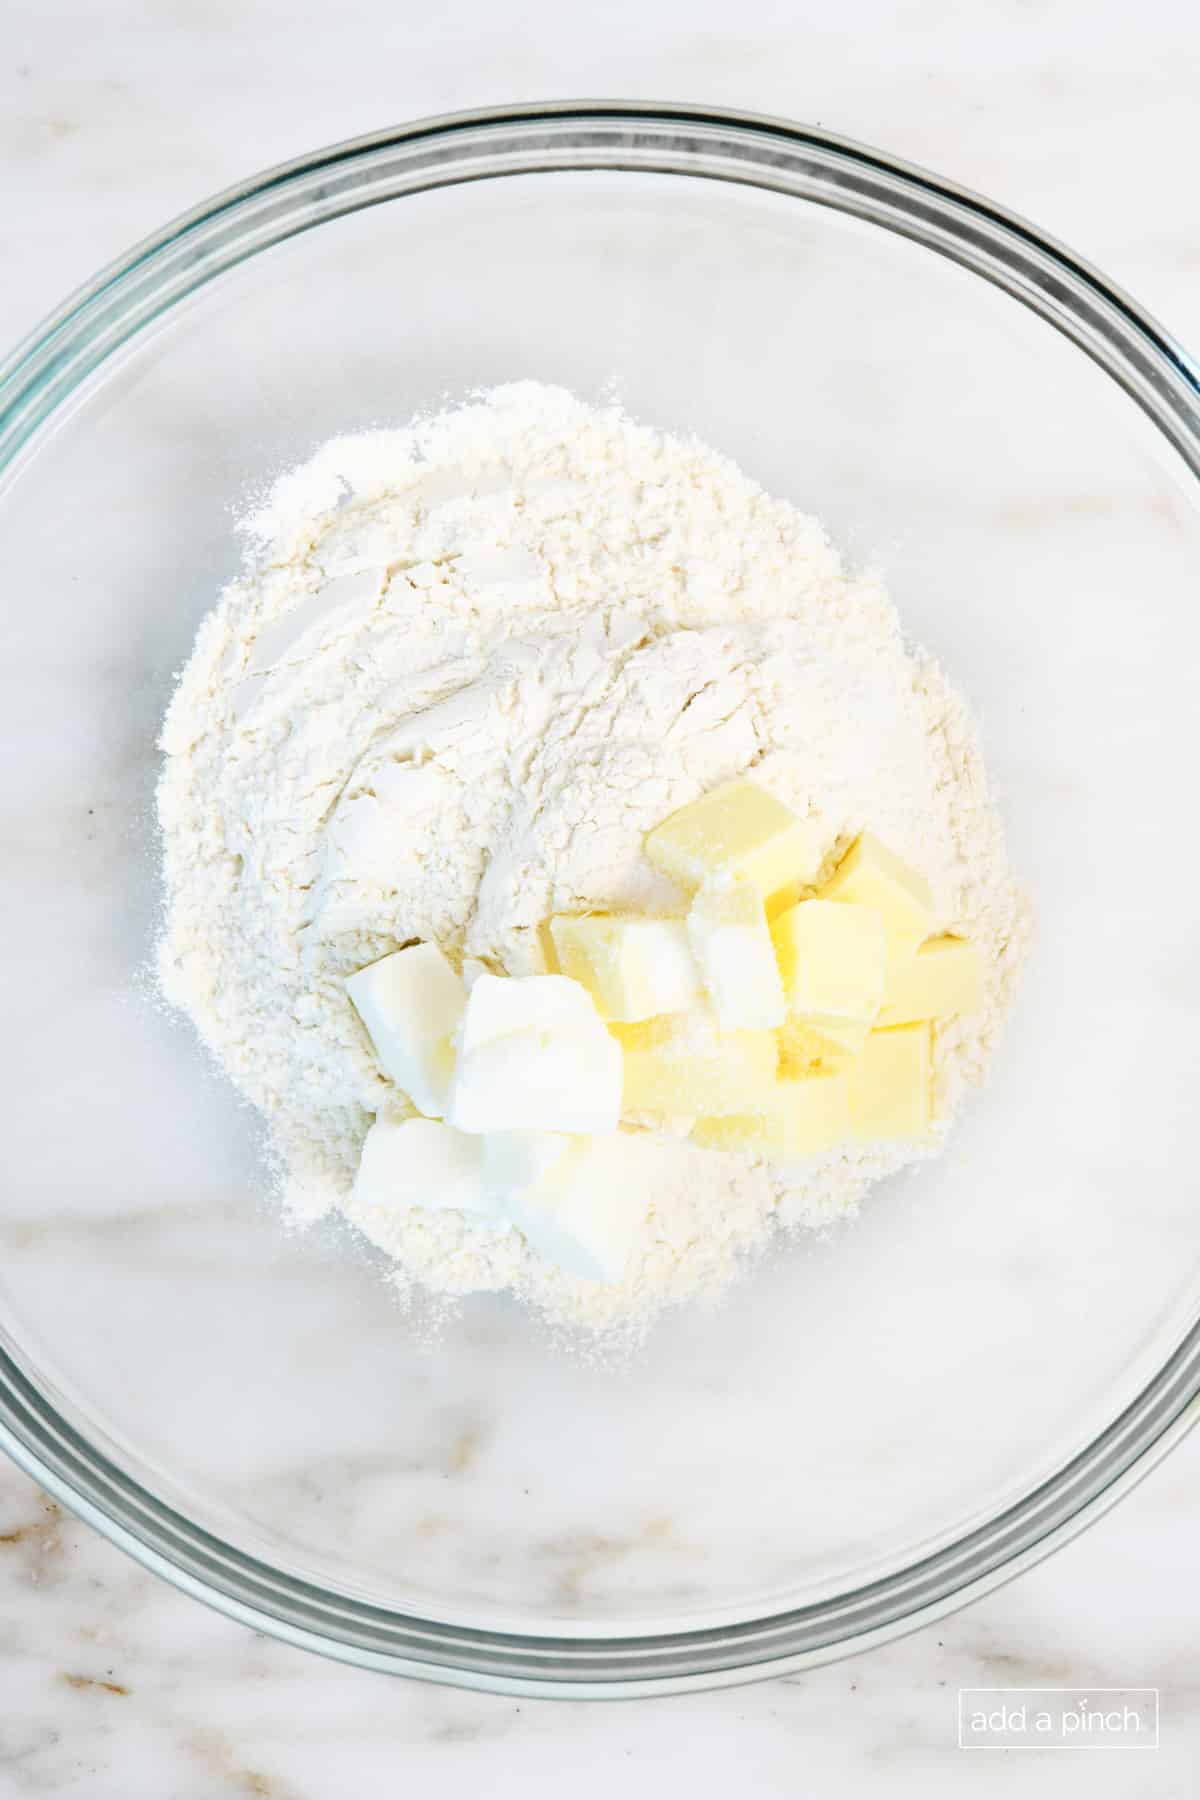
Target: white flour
470, 664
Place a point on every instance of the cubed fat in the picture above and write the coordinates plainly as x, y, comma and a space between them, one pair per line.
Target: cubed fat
499, 1005
741, 832
732, 942
890, 1091
565, 1080
831, 959
534, 1055
686, 1066
819, 1043
421, 1162
516, 1160
872, 875
411, 1003
633, 968
804, 1116
589, 1210
945, 977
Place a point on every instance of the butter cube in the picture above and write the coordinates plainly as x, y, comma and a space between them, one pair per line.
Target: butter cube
685, 1066
729, 934
871, 875
411, 1004
587, 1213
831, 959
848, 1034
741, 832
890, 1084
819, 1043
421, 1162
633, 968
945, 977
902, 947
803, 1116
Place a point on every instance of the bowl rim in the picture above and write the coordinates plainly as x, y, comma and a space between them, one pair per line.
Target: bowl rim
42, 381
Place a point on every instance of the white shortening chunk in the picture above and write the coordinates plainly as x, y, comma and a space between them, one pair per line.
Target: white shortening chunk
499, 1005
539, 1081
732, 941
514, 1161
634, 968
472, 969
586, 1215
534, 1055
411, 1004
421, 1162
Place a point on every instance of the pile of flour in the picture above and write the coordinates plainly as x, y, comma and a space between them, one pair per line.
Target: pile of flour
469, 665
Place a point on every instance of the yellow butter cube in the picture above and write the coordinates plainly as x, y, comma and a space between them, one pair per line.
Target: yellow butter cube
889, 1084
902, 947
634, 968
650, 1034
742, 832
729, 935
944, 977
685, 1065
872, 875
741, 1131
831, 959
802, 1050
802, 1117
819, 1044
849, 1035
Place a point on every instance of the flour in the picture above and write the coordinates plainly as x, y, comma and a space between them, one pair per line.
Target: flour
469, 665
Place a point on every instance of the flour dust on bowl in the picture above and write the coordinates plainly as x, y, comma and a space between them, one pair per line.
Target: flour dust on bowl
872, 1424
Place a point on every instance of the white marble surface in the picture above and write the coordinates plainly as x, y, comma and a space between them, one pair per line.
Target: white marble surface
1084, 118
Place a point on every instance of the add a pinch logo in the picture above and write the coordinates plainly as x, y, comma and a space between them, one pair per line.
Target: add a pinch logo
1058, 1719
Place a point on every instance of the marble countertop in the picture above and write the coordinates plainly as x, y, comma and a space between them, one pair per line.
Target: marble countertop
1081, 116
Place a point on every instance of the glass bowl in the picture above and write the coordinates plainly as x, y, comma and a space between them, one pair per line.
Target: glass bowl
874, 1427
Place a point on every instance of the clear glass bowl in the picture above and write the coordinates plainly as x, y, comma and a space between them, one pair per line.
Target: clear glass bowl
874, 1427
